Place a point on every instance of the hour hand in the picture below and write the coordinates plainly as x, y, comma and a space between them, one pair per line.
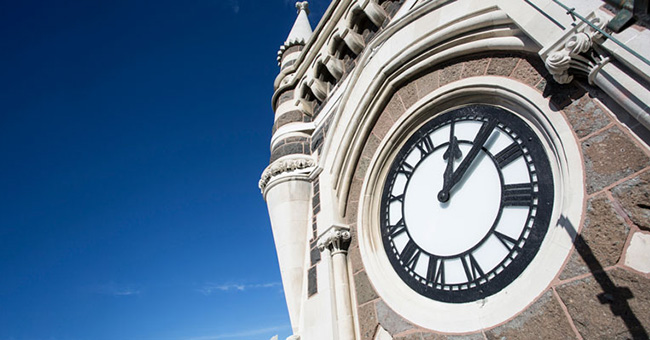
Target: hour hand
481, 137
453, 152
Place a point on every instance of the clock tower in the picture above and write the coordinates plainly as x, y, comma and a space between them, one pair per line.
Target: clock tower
464, 170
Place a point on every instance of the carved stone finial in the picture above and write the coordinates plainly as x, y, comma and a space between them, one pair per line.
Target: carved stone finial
577, 54
302, 6
336, 239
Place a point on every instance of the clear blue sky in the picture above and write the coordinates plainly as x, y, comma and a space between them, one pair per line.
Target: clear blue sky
132, 137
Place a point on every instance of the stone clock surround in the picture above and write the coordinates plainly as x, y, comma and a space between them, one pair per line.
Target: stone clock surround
617, 172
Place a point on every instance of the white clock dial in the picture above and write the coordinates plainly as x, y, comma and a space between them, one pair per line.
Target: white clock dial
466, 203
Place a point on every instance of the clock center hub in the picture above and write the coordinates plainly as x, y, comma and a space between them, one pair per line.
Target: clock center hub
457, 225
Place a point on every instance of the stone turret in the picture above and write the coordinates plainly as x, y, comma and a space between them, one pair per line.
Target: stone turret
285, 183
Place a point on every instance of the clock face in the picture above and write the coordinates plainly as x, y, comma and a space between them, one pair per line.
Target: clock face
466, 204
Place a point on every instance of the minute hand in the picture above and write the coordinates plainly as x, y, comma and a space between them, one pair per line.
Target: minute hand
481, 138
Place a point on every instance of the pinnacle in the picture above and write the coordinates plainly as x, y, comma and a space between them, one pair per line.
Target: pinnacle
301, 30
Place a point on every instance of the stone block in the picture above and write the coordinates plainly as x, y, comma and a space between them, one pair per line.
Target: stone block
355, 259
410, 336
610, 156
372, 143
367, 321
427, 83
545, 319
285, 96
637, 255
355, 190
502, 65
601, 240
586, 116
362, 167
394, 108
382, 125
609, 305
634, 197
526, 73
408, 93
364, 289
475, 68
450, 73
351, 210
390, 320
475, 336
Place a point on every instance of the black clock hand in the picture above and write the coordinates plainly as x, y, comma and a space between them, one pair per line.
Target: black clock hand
452, 153
481, 138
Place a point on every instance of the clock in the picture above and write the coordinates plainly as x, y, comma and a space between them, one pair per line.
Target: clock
466, 203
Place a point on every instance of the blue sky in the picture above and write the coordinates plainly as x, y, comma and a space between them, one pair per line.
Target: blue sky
132, 137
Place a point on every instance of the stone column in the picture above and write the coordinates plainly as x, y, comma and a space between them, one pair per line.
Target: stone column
337, 240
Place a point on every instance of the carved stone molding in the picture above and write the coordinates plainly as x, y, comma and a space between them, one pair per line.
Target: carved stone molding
336, 239
285, 165
577, 53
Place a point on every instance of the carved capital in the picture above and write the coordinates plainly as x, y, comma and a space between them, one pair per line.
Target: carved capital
577, 53
336, 239
286, 165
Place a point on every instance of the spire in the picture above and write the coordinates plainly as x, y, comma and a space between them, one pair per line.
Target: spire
301, 30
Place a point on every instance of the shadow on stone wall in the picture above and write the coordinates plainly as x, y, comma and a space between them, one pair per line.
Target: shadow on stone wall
615, 296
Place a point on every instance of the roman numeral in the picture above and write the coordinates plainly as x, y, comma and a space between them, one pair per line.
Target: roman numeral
473, 270
518, 194
425, 145
507, 241
398, 228
405, 169
410, 254
394, 198
436, 270
507, 155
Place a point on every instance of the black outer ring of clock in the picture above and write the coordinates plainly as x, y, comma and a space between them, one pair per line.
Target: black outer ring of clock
541, 223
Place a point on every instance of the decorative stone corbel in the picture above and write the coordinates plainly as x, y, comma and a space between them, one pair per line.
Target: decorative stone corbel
576, 52
334, 66
295, 163
318, 88
353, 40
372, 10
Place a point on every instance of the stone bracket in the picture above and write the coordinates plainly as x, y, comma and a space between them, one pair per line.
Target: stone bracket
371, 9
576, 52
